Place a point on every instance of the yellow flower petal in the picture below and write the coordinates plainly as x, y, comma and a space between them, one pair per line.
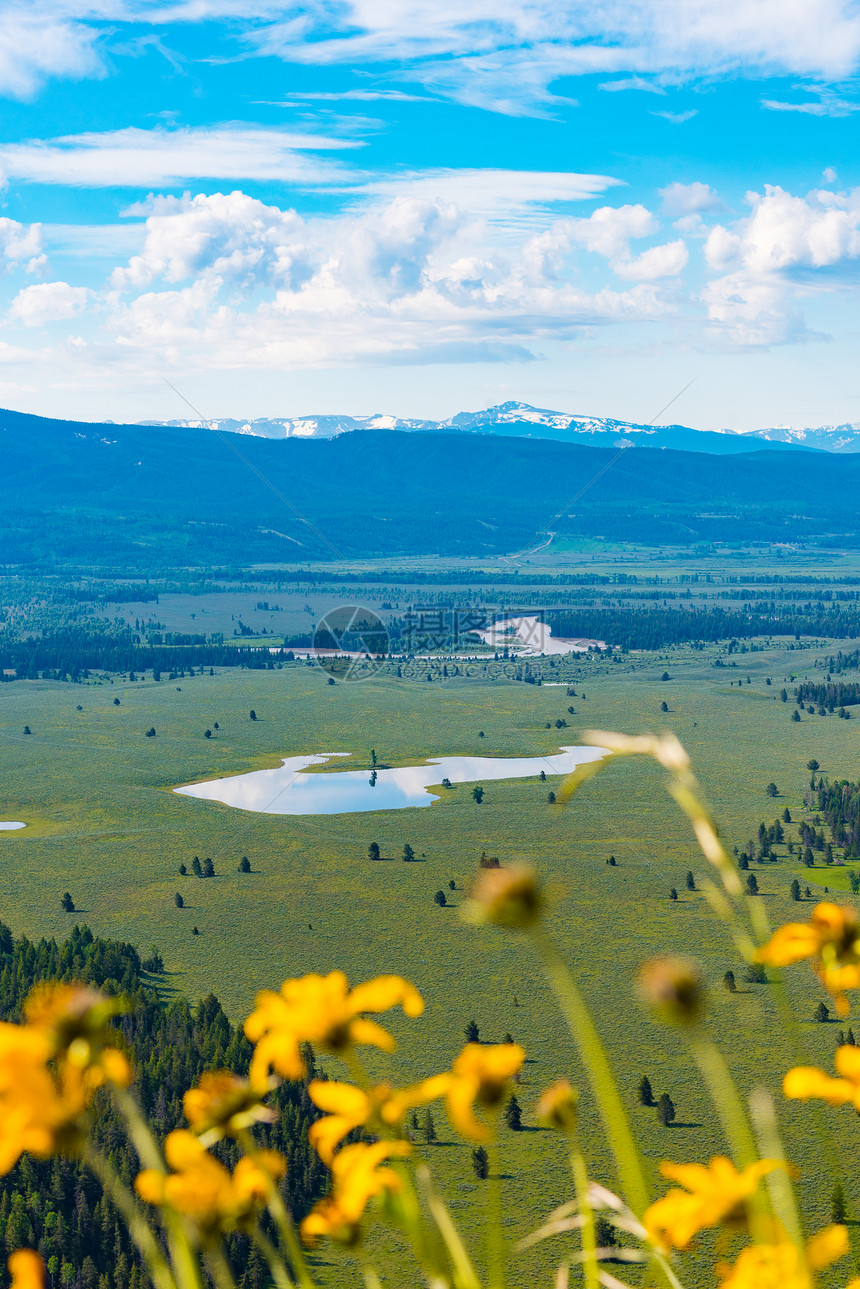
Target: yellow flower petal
27, 1270
827, 1246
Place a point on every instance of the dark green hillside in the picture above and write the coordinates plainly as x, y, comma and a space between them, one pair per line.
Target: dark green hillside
147, 495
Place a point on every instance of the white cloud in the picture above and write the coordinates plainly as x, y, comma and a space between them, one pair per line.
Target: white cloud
39, 42
658, 261
510, 196
47, 302
786, 247
689, 199
608, 230
829, 175
632, 83
827, 104
785, 232
20, 242
678, 118
505, 54
164, 158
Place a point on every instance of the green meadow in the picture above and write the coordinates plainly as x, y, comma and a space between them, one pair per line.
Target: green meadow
104, 825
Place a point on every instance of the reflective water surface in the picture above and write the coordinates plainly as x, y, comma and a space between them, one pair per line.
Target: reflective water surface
288, 791
10, 826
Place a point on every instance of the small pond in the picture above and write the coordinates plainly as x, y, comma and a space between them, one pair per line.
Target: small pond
10, 826
287, 790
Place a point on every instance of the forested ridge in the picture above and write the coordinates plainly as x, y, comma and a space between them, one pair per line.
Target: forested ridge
57, 1206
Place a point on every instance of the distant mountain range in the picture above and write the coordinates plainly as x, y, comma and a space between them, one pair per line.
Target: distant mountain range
520, 420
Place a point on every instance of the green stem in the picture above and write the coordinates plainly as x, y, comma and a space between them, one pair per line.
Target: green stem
603, 1085
589, 1239
725, 1097
464, 1272
495, 1243
182, 1253
282, 1220
220, 1268
139, 1230
273, 1259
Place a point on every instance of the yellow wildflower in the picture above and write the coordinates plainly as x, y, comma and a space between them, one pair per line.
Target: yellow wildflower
479, 1076
508, 897
322, 1010
75, 1018
558, 1107
832, 938
672, 987
805, 1082
783, 1265
202, 1189
349, 1108
357, 1178
223, 1104
26, 1269
715, 1193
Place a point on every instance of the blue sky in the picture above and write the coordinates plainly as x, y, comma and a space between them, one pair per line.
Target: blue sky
421, 207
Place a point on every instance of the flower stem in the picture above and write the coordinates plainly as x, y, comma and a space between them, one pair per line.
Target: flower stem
495, 1242
599, 1071
273, 1259
589, 1240
282, 1220
139, 1230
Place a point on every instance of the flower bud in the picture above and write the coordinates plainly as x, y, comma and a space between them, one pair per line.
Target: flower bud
508, 897
673, 990
558, 1107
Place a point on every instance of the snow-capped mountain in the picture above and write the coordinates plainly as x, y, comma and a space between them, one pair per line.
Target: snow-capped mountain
523, 421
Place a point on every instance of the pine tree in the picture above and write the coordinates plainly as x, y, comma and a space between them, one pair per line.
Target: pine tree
196, 867
244, 864
730, 982
481, 1163
645, 1092
68, 903
208, 868
441, 899
838, 1206
408, 853
752, 884
514, 1115
795, 889
472, 1032
428, 1130
373, 851
665, 1110
691, 882
673, 894
822, 1013
179, 901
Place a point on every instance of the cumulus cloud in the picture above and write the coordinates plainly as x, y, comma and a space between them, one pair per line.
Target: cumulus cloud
689, 199
667, 260
608, 230
48, 302
38, 42
785, 245
21, 243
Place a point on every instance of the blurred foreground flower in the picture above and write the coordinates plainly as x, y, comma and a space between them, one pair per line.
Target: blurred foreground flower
716, 1194
805, 1082
348, 1108
357, 1177
27, 1270
672, 988
479, 1076
558, 1107
223, 1104
508, 897
201, 1188
50, 1068
831, 938
324, 1011
784, 1266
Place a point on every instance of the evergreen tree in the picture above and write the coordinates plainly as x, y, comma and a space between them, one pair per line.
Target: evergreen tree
478, 794
183, 870
514, 1115
838, 1206
673, 894
408, 853
68, 903
472, 1032
665, 1110
373, 850
752, 884
730, 982
244, 864
441, 899
644, 1091
196, 866
691, 882
822, 1013
481, 1163
795, 889
179, 901
428, 1130
208, 868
